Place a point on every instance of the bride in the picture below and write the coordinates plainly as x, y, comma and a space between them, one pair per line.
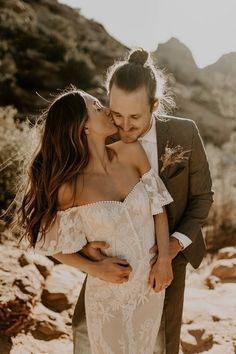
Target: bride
80, 190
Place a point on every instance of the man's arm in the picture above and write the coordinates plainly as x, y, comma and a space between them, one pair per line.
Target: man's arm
110, 269
200, 192
200, 199
93, 250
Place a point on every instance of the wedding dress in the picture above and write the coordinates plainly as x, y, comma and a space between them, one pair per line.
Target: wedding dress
121, 318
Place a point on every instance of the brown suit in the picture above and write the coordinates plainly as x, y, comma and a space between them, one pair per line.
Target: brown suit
189, 184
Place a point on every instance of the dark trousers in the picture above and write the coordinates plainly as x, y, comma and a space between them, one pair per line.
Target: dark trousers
173, 306
171, 319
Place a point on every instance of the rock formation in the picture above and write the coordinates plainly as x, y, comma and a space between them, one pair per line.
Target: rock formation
46, 46
38, 298
204, 95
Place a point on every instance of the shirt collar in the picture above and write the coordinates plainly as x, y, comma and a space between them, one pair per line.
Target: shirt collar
150, 136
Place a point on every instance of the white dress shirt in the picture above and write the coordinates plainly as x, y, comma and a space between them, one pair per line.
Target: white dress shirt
149, 143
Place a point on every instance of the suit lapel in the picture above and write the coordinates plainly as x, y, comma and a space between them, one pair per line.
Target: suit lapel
162, 138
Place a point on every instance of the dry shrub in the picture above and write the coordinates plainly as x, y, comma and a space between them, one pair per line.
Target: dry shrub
221, 228
16, 143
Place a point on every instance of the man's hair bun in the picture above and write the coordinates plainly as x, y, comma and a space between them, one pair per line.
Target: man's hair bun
138, 56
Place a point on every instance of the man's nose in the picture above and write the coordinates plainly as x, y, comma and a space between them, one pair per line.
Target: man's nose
126, 125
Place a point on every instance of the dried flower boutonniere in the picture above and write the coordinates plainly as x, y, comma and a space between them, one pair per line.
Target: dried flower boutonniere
173, 155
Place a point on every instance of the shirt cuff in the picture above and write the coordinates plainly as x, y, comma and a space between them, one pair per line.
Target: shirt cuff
185, 240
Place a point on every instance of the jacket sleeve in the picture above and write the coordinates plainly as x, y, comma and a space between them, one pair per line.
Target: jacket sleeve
200, 189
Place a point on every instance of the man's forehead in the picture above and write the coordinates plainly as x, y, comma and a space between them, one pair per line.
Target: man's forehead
127, 107
121, 99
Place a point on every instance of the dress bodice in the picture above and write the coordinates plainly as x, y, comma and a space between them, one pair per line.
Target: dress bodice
108, 219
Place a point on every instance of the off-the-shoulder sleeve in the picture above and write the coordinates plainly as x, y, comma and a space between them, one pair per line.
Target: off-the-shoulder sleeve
156, 190
66, 235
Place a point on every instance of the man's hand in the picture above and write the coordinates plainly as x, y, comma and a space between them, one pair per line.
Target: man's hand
93, 250
174, 248
111, 269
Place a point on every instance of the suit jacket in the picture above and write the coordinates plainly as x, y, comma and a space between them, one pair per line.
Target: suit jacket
189, 183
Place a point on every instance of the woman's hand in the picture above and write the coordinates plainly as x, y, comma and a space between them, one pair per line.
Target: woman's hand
174, 249
111, 269
161, 274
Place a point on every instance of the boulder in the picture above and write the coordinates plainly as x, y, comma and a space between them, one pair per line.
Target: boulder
211, 281
224, 269
47, 324
42, 263
227, 253
196, 339
62, 287
20, 289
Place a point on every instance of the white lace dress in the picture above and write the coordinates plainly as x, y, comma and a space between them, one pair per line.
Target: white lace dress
121, 318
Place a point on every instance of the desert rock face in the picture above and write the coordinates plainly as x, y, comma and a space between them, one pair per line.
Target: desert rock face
178, 59
36, 302
204, 95
46, 46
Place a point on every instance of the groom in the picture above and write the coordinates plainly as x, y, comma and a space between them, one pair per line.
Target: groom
132, 85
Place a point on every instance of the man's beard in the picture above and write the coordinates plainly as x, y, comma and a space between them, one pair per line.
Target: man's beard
129, 137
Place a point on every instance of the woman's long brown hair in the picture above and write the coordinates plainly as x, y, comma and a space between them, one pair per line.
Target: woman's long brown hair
61, 156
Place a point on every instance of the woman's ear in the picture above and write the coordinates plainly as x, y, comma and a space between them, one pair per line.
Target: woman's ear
155, 105
86, 130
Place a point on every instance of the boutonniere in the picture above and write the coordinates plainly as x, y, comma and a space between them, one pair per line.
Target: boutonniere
173, 155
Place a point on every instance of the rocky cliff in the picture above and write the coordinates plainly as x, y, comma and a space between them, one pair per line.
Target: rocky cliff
205, 95
45, 46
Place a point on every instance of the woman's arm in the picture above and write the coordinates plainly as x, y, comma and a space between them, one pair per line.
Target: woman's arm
162, 234
161, 274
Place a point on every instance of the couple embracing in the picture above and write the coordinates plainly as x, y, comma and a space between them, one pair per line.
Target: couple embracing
128, 213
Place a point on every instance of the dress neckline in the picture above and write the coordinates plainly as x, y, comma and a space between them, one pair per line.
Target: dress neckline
128, 196
102, 201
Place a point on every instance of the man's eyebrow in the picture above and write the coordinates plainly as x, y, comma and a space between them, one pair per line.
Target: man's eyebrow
115, 111
133, 114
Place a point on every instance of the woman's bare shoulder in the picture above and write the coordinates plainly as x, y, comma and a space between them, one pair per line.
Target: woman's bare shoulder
120, 146
65, 196
133, 153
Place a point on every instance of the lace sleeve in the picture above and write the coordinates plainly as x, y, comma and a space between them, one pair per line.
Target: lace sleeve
65, 235
156, 190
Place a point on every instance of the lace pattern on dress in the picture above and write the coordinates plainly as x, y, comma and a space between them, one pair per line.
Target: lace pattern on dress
66, 235
156, 190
